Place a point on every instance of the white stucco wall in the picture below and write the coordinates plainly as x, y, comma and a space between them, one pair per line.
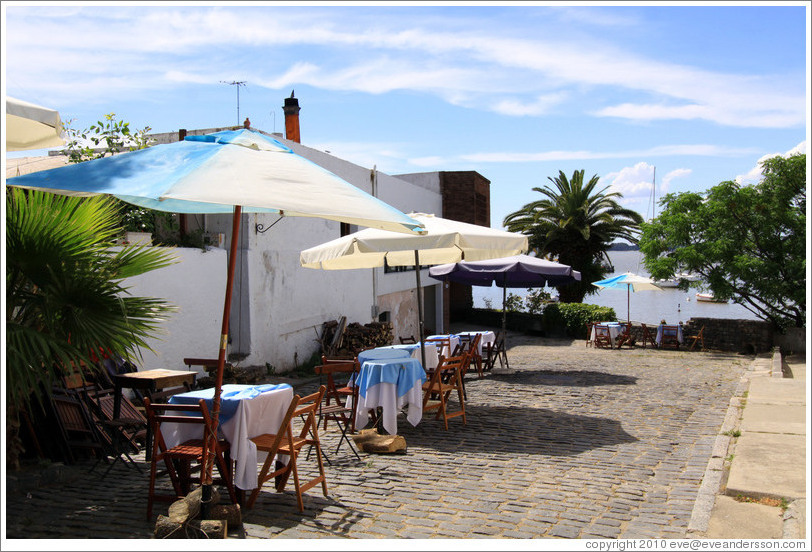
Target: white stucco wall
288, 303
196, 286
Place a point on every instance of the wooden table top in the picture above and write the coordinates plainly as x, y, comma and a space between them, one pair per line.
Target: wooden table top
155, 378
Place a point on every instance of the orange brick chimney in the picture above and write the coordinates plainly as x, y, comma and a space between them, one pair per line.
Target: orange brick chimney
291, 109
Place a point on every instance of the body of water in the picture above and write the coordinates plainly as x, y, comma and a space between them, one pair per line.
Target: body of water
649, 307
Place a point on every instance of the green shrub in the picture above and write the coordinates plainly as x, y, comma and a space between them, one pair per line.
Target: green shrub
573, 317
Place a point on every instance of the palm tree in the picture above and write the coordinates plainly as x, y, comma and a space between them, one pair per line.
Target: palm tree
575, 224
65, 297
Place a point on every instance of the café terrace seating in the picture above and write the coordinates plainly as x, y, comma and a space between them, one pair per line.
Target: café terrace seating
284, 442
184, 453
444, 380
602, 337
647, 337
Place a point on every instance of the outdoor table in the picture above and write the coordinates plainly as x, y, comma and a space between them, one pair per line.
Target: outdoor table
454, 340
615, 329
390, 379
151, 381
659, 337
246, 411
488, 337
414, 350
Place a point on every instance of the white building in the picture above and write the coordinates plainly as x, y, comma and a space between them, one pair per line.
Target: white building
278, 307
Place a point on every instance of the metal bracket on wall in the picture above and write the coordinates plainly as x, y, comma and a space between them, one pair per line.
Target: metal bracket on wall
261, 228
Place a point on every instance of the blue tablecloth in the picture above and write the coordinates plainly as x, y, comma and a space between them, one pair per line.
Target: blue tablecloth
381, 353
230, 396
401, 372
392, 384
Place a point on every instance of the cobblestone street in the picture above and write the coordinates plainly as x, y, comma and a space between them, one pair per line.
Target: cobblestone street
576, 443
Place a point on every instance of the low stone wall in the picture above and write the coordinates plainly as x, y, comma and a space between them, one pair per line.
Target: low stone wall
721, 334
740, 336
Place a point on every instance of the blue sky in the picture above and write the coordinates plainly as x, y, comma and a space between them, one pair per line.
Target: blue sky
517, 93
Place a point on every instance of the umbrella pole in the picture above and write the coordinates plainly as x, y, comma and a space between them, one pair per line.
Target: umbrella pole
420, 336
504, 310
221, 361
504, 319
628, 315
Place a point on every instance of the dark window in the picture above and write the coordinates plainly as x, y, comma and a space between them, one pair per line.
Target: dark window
345, 229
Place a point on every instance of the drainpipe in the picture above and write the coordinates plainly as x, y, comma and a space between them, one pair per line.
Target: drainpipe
373, 179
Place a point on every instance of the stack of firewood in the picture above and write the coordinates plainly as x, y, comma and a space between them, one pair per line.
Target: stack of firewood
354, 337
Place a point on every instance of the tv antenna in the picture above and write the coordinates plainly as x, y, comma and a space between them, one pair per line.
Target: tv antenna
237, 84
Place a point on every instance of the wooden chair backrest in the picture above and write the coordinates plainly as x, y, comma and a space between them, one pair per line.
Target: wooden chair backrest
329, 370
602, 336
159, 413
408, 340
307, 409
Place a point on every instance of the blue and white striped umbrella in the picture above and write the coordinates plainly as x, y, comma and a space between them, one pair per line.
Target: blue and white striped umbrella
211, 173
630, 282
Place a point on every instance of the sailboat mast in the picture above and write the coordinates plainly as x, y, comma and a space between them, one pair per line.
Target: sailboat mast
654, 194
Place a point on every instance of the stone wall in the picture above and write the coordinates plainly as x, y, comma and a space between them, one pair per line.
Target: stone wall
740, 336
721, 334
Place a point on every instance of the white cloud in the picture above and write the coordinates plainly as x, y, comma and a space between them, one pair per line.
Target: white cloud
665, 185
539, 106
377, 50
753, 176
634, 183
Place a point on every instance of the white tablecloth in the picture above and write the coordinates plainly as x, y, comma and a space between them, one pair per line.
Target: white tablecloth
242, 417
392, 384
487, 337
446, 351
414, 351
615, 329
659, 337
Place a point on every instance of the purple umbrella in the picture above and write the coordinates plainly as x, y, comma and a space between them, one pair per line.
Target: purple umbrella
518, 271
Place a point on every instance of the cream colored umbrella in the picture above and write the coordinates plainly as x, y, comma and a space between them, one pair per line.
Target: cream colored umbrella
443, 241
30, 126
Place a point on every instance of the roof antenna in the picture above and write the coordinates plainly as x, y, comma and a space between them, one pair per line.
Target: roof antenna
237, 84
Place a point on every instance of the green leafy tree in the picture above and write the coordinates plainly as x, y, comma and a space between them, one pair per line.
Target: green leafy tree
106, 137
513, 303
65, 297
576, 223
748, 243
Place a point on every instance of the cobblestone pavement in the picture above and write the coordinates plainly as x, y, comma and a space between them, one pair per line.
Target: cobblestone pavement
577, 443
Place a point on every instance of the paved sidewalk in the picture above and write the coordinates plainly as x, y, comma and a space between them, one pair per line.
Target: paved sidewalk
575, 443
762, 491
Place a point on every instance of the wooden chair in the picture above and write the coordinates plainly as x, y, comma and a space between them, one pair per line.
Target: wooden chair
588, 334
443, 344
698, 338
474, 358
495, 351
192, 450
602, 337
447, 377
670, 337
626, 337
74, 425
284, 442
647, 337
408, 340
342, 414
125, 433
